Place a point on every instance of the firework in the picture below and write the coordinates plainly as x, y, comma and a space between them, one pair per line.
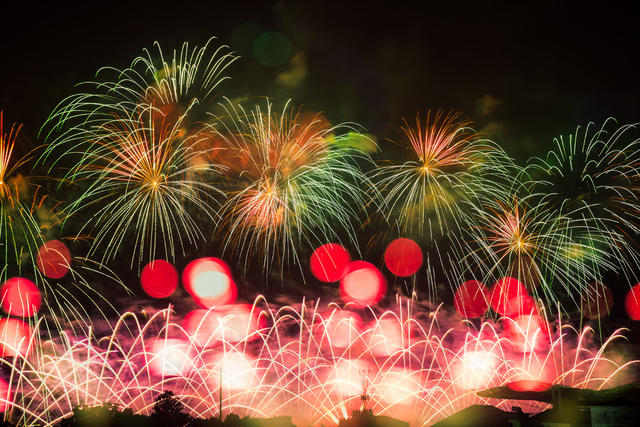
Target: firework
517, 240
294, 183
304, 362
590, 185
143, 180
181, 86
33, 262
451, 165
19, 227
430, 197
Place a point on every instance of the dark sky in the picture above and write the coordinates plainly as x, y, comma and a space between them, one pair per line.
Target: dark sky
547, 66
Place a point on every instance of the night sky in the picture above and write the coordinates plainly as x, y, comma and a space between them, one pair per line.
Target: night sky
523, 73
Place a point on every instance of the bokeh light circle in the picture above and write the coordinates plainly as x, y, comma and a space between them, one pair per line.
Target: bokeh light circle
475, 369
6, 398
53, 259
509, 297
527, 333
529, 385
244, 36
403, 257
14, 337
20, 297
329, 262
209, 282
363, 284
340, 327
471, 299
203, 326
171, 357
632, 302
384, 336
272, 48
159, 279
237, 369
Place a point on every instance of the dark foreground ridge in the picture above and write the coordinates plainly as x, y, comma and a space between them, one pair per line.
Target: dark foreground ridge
168, 411
571, 407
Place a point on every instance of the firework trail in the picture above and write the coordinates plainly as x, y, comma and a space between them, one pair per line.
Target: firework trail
293, 184
311, 362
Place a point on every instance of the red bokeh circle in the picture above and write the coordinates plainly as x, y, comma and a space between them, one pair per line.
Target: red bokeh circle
6, 398
14, 337
363, 284
597, 301
509, 297
159, 279
471, 299
20, 297
328, 263
632, 302
403, 257
53, 259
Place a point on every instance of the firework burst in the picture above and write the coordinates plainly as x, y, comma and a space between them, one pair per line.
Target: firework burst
431, 196
19, 225
590, 185
293, 184
452, 165
181, 86
514, 239
144, 180
29, 220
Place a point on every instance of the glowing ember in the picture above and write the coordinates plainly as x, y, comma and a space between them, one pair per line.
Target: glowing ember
529, 385
328, 263
159, 279
471, 299
403, 257
363, 284
20, 297
54, 259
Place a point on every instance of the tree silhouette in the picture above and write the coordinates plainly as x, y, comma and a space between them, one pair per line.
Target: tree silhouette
168, 411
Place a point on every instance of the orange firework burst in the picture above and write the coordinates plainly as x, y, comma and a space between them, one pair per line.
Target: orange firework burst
451, 165
143, 180
292, 184
514, 239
